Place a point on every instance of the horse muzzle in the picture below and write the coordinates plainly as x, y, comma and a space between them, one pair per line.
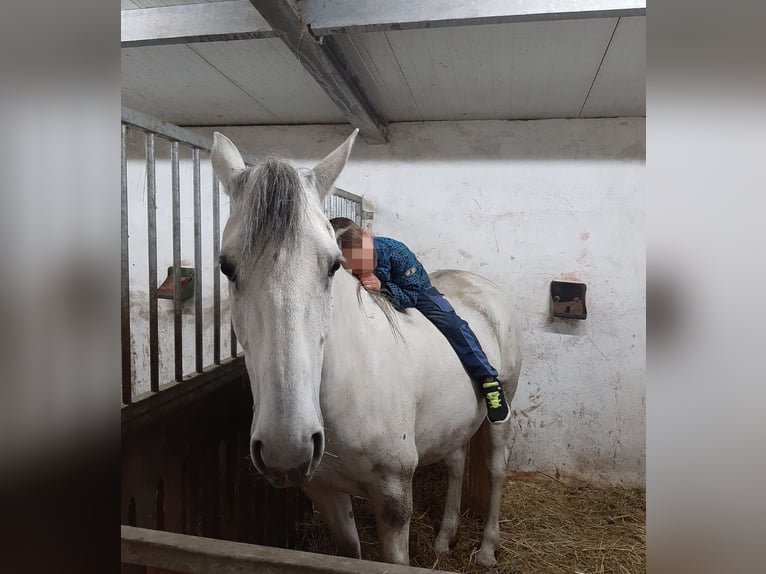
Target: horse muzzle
286, 465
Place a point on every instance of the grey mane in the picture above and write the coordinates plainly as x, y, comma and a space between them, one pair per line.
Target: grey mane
270, 198
385, 305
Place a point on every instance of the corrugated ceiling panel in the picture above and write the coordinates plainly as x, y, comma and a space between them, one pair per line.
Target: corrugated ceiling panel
237, 82
177, 85
619, 89
271, 73
504, 71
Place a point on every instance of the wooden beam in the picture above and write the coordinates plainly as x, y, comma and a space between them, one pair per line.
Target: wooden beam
153, 406
197, 555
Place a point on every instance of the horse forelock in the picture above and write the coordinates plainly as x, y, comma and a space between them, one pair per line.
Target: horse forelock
270, 198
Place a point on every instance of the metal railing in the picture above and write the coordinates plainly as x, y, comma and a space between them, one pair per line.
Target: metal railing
342, 203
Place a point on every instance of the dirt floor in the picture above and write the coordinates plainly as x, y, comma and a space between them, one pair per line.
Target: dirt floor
546, 526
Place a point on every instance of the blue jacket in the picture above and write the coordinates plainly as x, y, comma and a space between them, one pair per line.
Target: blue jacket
401, 275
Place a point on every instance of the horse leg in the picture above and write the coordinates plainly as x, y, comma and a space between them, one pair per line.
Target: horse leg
448, 532
335, 508
391, 500
497, 462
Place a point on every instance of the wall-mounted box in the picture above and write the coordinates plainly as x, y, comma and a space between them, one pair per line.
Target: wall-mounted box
568, 300
165, 291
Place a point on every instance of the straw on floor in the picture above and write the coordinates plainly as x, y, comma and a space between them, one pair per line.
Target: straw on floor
546, 526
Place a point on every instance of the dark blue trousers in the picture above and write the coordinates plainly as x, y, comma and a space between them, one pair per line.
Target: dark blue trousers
439, 311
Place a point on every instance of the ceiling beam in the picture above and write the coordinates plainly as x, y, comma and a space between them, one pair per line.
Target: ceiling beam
328, 17
191, 23
323, 61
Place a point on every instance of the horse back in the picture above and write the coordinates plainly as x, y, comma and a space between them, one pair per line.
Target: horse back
490, 312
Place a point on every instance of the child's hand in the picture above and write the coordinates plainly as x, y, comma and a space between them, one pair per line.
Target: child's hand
370, 282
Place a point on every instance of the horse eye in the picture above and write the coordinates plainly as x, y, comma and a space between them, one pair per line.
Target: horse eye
226, 267
333, 269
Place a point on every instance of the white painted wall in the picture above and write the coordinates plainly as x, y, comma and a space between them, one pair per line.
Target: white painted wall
524, 203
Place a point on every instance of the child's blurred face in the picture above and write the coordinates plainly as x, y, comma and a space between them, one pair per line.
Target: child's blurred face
359, 260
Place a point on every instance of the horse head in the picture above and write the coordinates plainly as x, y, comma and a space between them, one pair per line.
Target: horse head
279, 254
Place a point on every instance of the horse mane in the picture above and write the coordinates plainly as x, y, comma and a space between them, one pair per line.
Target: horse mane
385, 305
270, 198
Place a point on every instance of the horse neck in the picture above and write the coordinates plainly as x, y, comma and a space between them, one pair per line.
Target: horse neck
350, 334
347, 319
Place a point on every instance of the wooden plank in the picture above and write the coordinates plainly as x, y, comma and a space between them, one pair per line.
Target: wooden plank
197, 555
156, 406
476, 479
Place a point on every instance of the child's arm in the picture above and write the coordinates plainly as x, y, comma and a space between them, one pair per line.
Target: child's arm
403, 288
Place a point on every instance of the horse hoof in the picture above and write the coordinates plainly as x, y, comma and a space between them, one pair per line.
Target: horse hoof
441, 545
486, 558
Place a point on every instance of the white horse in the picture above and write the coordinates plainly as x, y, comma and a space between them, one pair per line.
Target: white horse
334, 371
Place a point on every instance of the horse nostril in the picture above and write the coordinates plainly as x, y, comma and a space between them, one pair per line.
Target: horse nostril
318, 441
255, 454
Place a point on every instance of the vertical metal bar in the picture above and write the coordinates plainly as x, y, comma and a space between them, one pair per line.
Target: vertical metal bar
151, 218
177, 325
127, 395
216, 275
233, 349
197, 264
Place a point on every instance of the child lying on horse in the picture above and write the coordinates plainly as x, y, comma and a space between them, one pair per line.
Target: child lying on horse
386, 265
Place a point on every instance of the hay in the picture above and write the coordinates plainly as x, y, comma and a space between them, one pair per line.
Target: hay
546, 526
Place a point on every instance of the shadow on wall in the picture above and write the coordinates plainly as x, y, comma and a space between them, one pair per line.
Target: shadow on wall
617, 139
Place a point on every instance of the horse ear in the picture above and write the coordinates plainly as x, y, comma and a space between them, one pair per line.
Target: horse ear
328, 170
226, 159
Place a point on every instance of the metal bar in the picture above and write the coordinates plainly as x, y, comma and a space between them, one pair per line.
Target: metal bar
191, 23
172, 131
197, 555
124, 274
177, 325
328, 17
232, 334
326, 65
216, 275
197, 263
348, 195
151, 218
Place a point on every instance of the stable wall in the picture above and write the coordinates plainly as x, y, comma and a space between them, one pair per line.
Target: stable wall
523, 203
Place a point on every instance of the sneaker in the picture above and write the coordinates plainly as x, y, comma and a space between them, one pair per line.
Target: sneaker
497, 407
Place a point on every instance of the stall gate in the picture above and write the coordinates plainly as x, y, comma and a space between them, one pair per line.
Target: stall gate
185, 461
